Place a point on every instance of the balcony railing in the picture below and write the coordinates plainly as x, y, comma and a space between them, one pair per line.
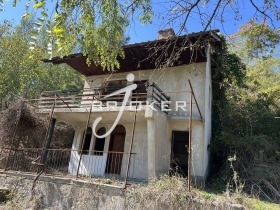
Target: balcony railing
65, 162
85, 98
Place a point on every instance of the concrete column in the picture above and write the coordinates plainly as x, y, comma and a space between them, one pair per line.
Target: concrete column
151, 138
207, 112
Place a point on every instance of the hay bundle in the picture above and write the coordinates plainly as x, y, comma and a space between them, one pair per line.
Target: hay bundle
21, 127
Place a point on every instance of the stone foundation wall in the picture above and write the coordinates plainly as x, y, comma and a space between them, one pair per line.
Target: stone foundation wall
65, 194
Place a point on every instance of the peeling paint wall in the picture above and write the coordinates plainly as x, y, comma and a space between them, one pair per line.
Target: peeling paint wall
138, 168
152, 142
162, 150
173, 80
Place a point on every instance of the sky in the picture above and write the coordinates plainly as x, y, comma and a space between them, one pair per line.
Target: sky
139, 32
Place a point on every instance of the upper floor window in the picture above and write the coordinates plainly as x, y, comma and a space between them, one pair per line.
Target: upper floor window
140, 93
112, 86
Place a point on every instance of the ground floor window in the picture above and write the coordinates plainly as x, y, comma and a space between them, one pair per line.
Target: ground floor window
99, 142
86, 140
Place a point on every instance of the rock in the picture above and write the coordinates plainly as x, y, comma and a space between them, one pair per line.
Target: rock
4, 194
237, 206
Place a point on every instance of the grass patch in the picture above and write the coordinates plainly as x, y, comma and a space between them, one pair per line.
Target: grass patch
172, 191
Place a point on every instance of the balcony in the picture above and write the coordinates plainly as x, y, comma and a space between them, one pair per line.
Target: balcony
84, 100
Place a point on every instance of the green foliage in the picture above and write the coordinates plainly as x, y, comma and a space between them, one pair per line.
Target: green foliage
238, 184
231, 68
97, 28
247, 127
257, 40
26, 75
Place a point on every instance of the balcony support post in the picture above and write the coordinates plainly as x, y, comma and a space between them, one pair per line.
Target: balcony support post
131, 145
83, 140
190, 144
48, 142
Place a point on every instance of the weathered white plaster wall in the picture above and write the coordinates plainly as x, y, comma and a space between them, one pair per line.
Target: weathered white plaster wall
162, 152
208, 110
198, 165
173, 80
90, 164
152, 140
138, 165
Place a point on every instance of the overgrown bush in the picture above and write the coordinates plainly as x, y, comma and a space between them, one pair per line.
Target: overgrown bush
245, 123
21, 127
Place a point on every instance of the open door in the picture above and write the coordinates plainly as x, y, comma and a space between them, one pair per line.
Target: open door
179, 153
116, 148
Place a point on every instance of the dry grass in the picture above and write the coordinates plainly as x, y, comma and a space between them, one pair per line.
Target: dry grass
172, 191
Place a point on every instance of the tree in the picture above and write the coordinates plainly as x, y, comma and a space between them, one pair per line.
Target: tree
98, 27
25, 75
248, 129
257, 45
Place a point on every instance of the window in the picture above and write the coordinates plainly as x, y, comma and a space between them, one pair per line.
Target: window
140, 93
113, 86
87, 140
99, 142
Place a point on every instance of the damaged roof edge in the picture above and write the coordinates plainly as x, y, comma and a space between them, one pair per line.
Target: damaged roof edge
147, 55
213, 33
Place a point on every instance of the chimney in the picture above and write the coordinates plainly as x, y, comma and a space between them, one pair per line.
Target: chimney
166, 34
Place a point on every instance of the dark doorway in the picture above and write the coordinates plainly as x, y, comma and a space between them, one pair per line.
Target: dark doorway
116, 148
179, 152
87, 141
99, 142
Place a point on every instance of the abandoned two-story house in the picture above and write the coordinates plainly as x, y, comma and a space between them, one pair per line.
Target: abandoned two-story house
149, 133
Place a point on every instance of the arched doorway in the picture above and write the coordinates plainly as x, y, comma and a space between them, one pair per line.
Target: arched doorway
116, 148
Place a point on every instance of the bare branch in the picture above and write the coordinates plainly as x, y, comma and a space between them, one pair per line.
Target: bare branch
213, 14
188, 14
262, 12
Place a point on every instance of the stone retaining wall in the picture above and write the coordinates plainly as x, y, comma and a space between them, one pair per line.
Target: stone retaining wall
66, 194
